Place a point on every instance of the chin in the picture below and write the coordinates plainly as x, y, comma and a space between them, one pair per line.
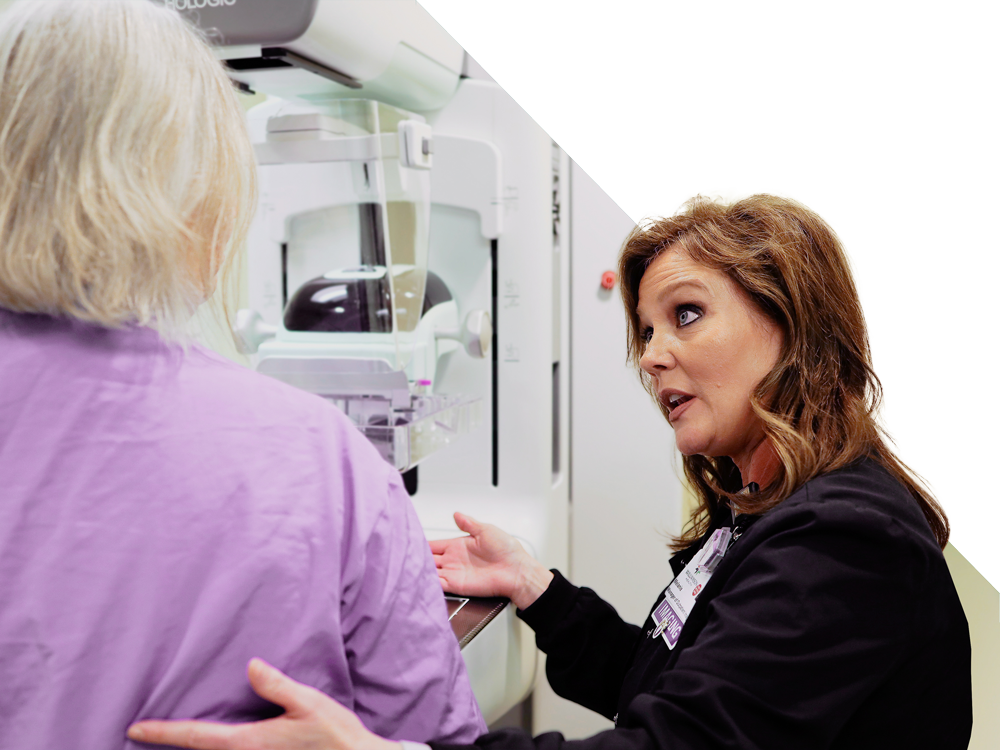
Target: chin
689, 447
692, 440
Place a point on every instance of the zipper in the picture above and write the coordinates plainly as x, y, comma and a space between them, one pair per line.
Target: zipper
738, 529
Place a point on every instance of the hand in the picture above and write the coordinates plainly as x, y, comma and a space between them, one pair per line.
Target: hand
488, 562
312, 721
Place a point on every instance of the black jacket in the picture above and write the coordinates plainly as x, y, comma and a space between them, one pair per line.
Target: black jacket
832, 622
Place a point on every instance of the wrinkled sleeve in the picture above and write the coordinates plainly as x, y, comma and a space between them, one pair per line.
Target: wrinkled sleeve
589, 647
410, 681
805, 630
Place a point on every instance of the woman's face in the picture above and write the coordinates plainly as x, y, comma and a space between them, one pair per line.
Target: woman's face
707, 348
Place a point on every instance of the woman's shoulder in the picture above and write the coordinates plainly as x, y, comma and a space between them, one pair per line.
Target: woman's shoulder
253, 398
862, 500
132, 374
259, 426
863, 485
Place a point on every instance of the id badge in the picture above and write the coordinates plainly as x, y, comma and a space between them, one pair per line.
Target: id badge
680, 596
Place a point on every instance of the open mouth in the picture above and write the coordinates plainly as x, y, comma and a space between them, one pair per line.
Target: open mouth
676, 399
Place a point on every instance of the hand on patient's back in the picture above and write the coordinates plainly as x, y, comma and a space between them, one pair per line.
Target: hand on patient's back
488, 562
312, 721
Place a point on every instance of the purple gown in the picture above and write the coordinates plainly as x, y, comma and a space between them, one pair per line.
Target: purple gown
167, 515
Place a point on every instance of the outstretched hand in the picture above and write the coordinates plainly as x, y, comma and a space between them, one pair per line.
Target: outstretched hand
488, 562
312, 721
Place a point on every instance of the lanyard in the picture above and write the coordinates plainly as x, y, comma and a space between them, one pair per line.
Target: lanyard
680, 596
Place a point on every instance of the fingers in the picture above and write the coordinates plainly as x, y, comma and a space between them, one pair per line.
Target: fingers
199, 735
440, 546
272, 685
298, 700
468, 524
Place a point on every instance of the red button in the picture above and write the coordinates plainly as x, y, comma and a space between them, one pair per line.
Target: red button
608, 279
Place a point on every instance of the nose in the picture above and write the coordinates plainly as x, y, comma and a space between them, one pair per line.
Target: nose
657, 356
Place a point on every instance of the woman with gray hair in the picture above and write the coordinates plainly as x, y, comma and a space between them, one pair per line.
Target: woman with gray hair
167, 514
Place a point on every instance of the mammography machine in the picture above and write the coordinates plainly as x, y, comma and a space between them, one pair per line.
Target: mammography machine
405, 262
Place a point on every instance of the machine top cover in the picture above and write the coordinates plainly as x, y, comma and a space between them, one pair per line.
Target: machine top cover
237, 22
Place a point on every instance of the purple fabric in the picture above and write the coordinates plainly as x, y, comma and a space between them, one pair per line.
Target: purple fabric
166, 516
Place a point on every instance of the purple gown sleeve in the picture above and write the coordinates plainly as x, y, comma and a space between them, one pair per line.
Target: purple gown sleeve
409, 678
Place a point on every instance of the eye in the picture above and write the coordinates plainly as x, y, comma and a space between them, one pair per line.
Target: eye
646, 334
687, 314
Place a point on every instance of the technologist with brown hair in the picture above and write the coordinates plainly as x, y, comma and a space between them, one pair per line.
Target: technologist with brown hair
810, 605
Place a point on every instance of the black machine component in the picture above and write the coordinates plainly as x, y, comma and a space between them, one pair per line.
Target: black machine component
355, 301
343, 305
410, 481
435, 292
278, 57
358, 300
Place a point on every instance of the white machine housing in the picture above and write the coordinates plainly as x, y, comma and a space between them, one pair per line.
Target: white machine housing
315, 50
496, 240
504, 204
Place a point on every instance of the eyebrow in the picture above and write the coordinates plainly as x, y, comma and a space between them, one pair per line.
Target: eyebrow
674, 286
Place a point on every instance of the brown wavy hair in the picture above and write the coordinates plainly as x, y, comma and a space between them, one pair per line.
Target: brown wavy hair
818, 405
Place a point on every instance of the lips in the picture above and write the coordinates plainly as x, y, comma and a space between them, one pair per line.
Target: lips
675, 402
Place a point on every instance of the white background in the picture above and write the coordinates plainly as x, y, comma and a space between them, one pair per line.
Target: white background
882, 117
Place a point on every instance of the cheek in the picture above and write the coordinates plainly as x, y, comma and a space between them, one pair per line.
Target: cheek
723, 366
728, 382
756, 350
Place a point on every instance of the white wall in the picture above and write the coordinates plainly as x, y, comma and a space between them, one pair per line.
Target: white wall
626, 497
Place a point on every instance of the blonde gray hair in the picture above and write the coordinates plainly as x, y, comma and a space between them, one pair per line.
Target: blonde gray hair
127, 175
